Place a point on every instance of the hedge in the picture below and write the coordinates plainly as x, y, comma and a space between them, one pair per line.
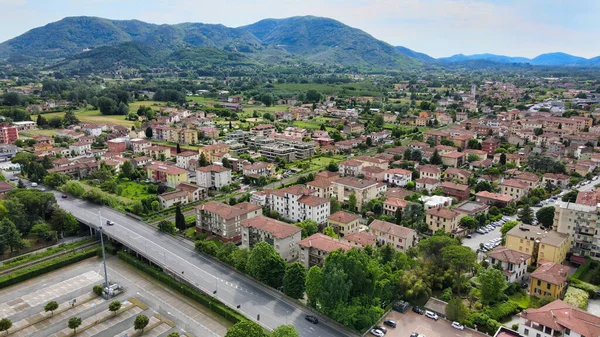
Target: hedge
45, 267
502, 310
576, 297
584, 268
484, 323
589, 288
206, 300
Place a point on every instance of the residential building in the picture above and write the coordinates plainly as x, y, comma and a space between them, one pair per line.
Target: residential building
170, 175
285, 238
195, 193
490, 145
391, 205
296, 203
471, 208
453, 159
514, 263
558, 180
558, 319
458, 175
259, 169
8, 134
118, 145
350, 168
397, 177
361, 239
459, 191
494, 199
225, 220
344, 222
25, 125
187, 160
541, 245
399, 237
579, 221
363, 190
428, 184
158, 152
170, 199
7, 151
515, 188
213, 176
263, 130
79, 148
315, 248
322, 188
140, 145
214, 151
435, 201
548, 280
442, 218
430, 171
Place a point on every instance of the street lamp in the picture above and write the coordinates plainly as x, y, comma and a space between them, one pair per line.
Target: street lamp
103, 256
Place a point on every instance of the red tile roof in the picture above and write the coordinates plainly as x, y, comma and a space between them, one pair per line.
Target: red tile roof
494, 196
392, 229
277, 228
213, 168
361, 238
508, 255
166, 168
343, 217
442, 212
559, 316
515, 183
396, 202
312, 200
324, 243
551, 272
455, 186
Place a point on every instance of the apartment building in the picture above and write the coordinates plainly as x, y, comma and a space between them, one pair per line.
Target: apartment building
391, 205
259, 169
430, 171
297, 203
283, 237
558, 319
397, 177
187, 160
140, 145
157, 152
541, 245
494, 199
399, 237
315, 248
515, 188
225, 220
344, 222
213, 152
579, 221
442, 218
458, 191
363, 190
514, 263
559, 180
322, 188
350, 168
278, 151
170, 175
213, 176
549, 280
263, 130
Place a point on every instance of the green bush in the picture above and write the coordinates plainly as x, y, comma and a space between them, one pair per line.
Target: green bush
502, 310
45, 267
484, 323
577, 297
97, 289
589, 288
206, 300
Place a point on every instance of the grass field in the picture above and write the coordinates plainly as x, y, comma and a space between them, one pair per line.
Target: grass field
133, 190
48, 133
155, 105
351, 89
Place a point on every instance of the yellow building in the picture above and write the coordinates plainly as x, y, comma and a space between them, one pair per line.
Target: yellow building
214, 150
156, 151
550, 279
541, 245
187, 136
363, 190
168, 174
344, 222
442, 218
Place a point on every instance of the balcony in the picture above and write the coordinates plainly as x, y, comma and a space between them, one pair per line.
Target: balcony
543, 329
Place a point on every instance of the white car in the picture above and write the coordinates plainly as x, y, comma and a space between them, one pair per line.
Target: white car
458, 326
431, 314
377, 333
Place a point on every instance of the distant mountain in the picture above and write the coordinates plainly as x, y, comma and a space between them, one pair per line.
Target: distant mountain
118, 43
415, 55
550, 59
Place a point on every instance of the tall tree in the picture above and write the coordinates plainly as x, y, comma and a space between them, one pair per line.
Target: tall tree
456, 310
245, 328
334, 205
545, 216
294, 280
314, 279
491, 284
148, 132
180, 219
435, 159
526, 215
503, 159
70, 119
265, 265
141, 321
352, 202
202, 161
10, 236
398, 216
128, 170
461, 259
178, 148
309, 227
336, 289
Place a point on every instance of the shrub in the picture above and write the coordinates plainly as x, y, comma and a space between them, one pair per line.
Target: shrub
502, 310
576, 297
97, 289
484, 323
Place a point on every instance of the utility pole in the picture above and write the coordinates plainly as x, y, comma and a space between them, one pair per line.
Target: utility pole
103, 256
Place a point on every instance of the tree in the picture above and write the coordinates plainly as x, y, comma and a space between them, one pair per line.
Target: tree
309, 227
352, 202
128, 170
63, 222
54, 180
474, 144
369, 142
285, 331
294, 280
51, 306
114, 306
570, 196
526, 215
483, 186
468, 222
202, 161
334, 205
329, 231
166, 226
491, 284
69, 118
435, 159
173, 334
245, 328
314, 278
180, 219
461, 258
545, 216
74, 323
5, 324
107, 106
178, 148
266, 99
141, 321
10, 236
20, 184
226, 163
332, 167
265, 265
148, 132
43, 231
456, 310
506, 228
503, 159
398, 216
312, 96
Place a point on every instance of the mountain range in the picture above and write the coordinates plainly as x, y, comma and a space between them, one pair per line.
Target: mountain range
91, 44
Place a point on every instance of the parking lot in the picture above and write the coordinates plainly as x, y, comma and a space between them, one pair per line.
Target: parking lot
411, 322
477, 238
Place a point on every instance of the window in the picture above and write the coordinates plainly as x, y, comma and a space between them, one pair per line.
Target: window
539, 283
526, 332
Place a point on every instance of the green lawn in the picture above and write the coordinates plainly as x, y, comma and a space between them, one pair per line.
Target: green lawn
133, 190
49, 133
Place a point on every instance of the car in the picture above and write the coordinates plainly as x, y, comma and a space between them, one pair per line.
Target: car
480, 231
458, 326
33, 184
64, 196
418, 310
109, 223
414, 334
380, 328
377, 333
431, 314
539, 204
390, 323
468, 236
312, 319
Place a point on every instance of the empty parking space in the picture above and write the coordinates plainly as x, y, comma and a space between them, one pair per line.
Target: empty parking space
411, 322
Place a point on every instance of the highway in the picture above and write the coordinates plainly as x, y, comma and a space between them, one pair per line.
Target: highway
180, 258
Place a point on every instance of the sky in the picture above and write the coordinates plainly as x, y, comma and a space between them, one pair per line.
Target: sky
438, 28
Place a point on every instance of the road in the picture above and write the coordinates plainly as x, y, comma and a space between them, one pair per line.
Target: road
180, 258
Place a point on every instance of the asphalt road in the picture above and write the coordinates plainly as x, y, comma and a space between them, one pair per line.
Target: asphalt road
180, 258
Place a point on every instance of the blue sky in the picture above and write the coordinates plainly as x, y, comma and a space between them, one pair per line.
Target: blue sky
436, 27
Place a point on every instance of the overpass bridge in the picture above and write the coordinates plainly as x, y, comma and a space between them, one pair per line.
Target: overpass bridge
179, 258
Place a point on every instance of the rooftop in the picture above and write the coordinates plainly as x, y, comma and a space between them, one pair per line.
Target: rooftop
324, 243
392, 229
551, 272
361, 238
559, 316
442, 212
551, 238
343, 217
355, 182
508, 255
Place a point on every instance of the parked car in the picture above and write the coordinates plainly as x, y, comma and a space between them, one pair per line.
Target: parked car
377, 333
312, 319
458, 326
381, 328
33, 184
418, 310
390, 323
431, 314
64, 196
109, 223
468, 236
414, 334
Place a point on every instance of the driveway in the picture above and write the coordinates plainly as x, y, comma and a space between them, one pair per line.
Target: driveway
411, 322
477, 238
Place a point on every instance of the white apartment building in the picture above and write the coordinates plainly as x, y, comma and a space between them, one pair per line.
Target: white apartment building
579, 221
282, 236
397, 177
514, 263
213, 176
297, 203
185, 159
